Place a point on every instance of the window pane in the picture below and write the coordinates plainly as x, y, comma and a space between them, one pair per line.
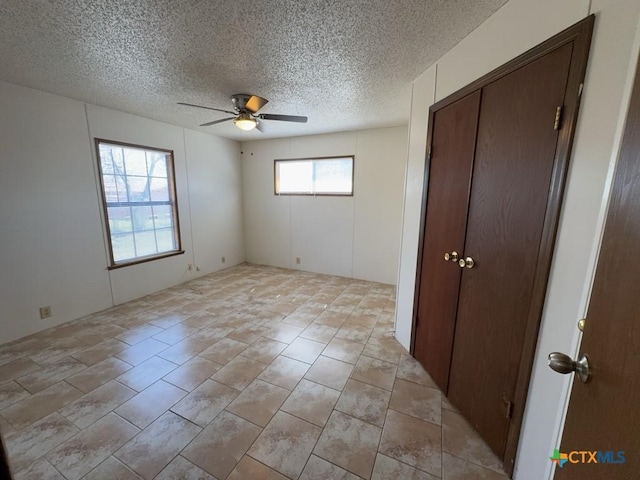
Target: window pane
121, 186
145, 243
166, 240
142, 218
123, 247
119, 220
295, 177
334, 175
106, 160
135, 161
111, 159
323, 176
110, 188
162, 214
112, 163
157, 164
138, 189
116, 154
159, 189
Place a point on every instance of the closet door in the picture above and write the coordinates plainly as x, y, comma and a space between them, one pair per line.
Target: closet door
512, 173
452, 151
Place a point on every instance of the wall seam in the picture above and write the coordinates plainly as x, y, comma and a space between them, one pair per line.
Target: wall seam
290, 199
353, 217
240, 154
186, 169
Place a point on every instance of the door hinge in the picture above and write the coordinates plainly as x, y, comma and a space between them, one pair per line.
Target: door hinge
509, 403
558, 119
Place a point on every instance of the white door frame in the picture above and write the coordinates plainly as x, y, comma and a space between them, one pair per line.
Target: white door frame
574, 348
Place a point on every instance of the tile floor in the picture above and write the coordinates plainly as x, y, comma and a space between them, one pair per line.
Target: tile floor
249, 373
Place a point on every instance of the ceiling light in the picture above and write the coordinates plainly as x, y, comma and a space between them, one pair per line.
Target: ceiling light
245, 122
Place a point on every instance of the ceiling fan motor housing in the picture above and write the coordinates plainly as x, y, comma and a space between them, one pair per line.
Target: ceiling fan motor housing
243, 102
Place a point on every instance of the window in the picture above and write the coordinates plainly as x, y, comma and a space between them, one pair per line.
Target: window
139, 197
314, 176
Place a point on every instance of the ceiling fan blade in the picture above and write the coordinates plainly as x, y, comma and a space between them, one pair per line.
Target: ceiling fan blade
217, 121
255, 103
283, 118
208, 108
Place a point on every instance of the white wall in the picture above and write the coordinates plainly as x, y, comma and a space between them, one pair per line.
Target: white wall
51, 232
51, 245
215, 192
516, 27
355, 236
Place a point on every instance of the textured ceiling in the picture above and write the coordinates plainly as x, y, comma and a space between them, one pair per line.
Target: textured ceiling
346, 64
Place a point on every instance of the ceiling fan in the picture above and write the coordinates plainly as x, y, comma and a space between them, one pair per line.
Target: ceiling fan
246, 116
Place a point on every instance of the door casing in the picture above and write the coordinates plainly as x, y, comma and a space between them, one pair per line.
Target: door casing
602, 415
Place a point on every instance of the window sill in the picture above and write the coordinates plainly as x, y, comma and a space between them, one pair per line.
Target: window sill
138, 261
313, 194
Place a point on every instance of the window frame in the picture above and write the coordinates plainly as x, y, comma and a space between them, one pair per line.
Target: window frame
314, 194
173, 198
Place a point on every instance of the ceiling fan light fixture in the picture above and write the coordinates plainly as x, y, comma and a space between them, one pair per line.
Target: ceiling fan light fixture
245, 122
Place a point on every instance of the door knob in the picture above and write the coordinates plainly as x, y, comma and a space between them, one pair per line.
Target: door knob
453, 256
564, 364
466, 262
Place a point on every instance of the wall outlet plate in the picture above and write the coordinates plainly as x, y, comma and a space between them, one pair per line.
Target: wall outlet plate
224, 259
45, 312
297, 260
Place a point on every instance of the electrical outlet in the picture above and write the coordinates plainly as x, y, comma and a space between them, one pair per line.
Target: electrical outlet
45, 312
197, 268
224, 259
297, 260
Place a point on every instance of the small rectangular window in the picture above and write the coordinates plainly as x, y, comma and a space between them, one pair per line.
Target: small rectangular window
139, 196
314, 176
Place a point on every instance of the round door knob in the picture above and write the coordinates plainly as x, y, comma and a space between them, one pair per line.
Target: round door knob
561, 363
466, 262
453, 256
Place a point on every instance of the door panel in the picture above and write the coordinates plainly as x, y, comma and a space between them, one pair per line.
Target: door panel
515, 156
604, 414
452, 152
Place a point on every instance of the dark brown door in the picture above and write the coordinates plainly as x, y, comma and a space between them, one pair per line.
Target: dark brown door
452, 152
604, 414
515, 157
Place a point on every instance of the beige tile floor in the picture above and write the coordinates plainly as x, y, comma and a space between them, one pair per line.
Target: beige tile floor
249, 373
